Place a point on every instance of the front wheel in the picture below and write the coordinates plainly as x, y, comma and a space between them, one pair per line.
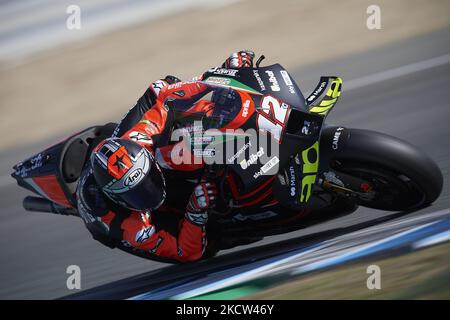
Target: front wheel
391, 173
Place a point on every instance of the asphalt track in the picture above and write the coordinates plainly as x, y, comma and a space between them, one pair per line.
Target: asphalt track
37, 248
279, 263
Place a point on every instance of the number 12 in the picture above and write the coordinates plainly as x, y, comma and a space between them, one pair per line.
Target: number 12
273, 117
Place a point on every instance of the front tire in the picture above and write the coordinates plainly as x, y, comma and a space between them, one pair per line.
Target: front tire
402, 176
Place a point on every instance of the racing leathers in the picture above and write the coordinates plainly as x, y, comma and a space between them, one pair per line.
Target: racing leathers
176, 231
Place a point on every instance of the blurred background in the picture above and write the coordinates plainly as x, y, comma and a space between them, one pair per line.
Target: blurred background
55, 81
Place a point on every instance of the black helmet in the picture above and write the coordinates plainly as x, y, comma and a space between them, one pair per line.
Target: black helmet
128, 174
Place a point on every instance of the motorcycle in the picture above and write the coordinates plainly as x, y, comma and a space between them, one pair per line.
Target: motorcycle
319, 172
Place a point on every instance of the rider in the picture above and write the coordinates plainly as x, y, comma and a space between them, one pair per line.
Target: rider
126, 185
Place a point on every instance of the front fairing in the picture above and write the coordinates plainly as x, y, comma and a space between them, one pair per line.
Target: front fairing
269, 80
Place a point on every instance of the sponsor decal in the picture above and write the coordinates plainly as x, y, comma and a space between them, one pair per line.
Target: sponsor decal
126, 174
240, 152
35, 162
157, 86
175, 85
202, 140
337, 134
245, 108
287, 80
179, 84
292, 191
119, 163
306, 127
140, 137
286, 77
309, 170
273, 80
223, 71
267, 167
144, 234
292, 181
219, 81
252, 160
259, 80
207, 153
313, 96
134, 177
194, 128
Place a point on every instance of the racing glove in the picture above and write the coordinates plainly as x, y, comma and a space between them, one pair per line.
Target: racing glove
241, 59
203, 197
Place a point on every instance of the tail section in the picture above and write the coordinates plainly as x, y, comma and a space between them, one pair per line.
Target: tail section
53, 173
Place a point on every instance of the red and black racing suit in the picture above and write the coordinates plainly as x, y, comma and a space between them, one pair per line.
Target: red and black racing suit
165, 233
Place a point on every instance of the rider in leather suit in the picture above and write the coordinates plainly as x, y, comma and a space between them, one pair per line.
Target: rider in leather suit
126, 194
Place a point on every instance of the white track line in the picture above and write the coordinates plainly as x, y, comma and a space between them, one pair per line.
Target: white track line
432, 240
279, 265
396, 72
342, 256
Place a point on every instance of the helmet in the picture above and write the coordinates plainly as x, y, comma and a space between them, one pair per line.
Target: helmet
128, 174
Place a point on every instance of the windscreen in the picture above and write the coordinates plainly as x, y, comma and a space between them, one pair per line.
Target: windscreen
215, 106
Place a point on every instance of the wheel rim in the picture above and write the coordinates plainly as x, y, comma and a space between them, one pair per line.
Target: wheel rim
392, 191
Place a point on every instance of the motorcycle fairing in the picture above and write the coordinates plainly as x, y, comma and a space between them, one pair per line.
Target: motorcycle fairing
269, 80
325, 96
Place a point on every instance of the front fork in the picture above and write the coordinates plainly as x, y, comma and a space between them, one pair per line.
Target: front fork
346, 185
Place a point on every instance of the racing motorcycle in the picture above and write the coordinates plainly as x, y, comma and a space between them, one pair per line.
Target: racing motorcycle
319, 172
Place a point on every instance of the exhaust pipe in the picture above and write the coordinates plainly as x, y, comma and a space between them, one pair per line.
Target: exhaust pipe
39, 204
